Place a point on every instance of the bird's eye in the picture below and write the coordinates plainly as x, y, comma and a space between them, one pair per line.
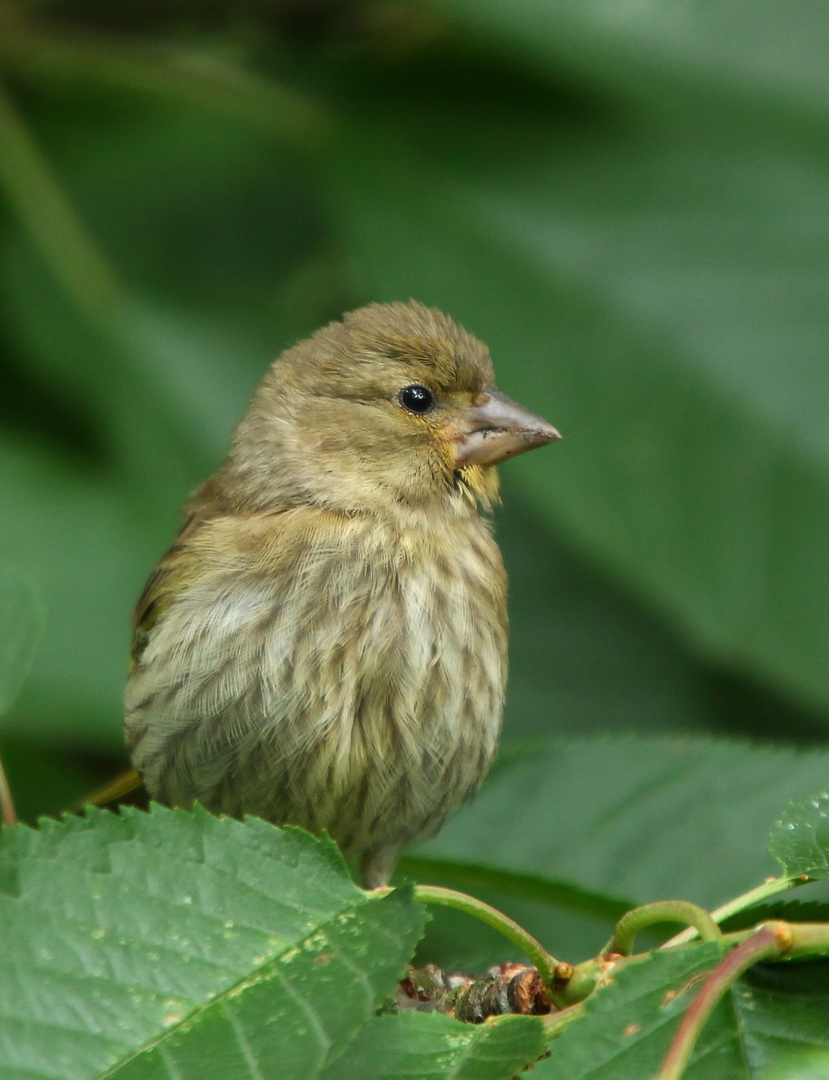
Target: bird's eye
417, 399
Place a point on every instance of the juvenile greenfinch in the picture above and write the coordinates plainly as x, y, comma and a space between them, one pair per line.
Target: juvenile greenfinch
325, 643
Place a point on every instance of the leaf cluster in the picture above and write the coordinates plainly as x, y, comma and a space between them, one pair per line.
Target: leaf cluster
174, 944
628, 203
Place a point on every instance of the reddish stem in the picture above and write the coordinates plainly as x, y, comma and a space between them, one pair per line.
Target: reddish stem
772, 940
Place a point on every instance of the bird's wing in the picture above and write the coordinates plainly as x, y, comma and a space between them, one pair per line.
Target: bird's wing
162, 586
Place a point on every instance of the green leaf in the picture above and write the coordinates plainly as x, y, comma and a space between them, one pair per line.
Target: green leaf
670, 322
754, 48
209, 230
800, 1065
813, 908
76, 535
21, 618
472, 878
155, 383
160, 393
800, 837
780, 1009
429, 1046
647, 819
146, 944
628, 1026
584, 656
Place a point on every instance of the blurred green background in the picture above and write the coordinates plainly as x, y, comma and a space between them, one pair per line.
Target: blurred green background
628, 202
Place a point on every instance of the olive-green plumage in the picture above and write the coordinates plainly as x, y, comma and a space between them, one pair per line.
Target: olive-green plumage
325, 643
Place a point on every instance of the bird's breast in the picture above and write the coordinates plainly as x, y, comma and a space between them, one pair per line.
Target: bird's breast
333, 670
388, 655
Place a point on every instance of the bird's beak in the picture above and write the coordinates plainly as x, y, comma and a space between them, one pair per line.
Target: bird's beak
495, 427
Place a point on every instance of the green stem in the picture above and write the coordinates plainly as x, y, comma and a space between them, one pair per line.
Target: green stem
533, 949
589, 976
41, 205
740, 903
807, 939
662, 911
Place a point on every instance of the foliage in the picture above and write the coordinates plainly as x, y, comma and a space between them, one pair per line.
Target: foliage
145, 943
628, 203
175, 944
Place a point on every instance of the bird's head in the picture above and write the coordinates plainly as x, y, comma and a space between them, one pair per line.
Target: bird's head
395, 405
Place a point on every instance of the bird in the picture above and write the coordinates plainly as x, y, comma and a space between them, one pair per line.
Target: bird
325, 643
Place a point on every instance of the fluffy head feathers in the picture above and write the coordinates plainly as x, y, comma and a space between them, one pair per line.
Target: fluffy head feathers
326, 426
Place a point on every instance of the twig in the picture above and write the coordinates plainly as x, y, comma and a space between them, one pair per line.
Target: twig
8, 814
